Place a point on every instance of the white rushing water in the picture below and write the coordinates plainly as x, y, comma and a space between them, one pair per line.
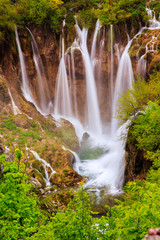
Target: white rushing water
108, 169
47, 168
62, 106
123, 82
94, 42
154, 23
15, 108
94, 120
25, 83
111, 62
44, 96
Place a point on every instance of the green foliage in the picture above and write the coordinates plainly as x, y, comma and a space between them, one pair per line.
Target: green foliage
113, 12
51, 13
136, 99
86, 18
133, 216
154, 172
145, 129
155, 4
19, 212
41, 12
7, 16
73, 223
9, 123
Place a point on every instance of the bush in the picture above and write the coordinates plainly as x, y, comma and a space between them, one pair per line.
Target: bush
19, 212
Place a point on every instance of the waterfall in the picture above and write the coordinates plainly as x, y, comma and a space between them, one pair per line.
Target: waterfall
123, 82
74, 85
118, 52
94, 121
25, 85
111, 61
63, 105
141, 67
155, 24
15, 108
47, 168
44, 96
94, 42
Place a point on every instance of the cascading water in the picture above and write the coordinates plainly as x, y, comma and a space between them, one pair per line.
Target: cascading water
118, 53
93, 49
63, 106
123, 82
74, 85
94, 120
111, 61
141, 67
153, 22
44, 96
15, 108
25, 84
47, 168
107, 169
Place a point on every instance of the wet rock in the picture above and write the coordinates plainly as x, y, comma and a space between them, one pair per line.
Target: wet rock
1, 149
85, 136
99, 198
41, 191
35, 183
66, 133
71, 159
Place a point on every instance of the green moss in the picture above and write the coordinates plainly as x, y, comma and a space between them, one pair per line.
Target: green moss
9, 124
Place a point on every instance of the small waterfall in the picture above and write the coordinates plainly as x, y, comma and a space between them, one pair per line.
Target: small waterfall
47, 168
44, 96
15, 108
63, 105
111, 61
123, 82
74, 85
155, 24
118, 52
94, 42
25, 85
141, 67
94, 121
98, 71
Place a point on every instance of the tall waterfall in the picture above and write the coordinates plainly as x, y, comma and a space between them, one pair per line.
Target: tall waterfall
111, 61
25, 84
63, 106
94, 120
93, 48
123, 82
44, 96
